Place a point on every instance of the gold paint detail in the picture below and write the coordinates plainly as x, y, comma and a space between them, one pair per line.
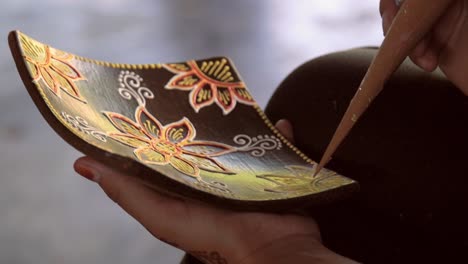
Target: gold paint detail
52, 66
119, 66
299, 179
168, 153
209, 81
189, 80
172, 144
215, 186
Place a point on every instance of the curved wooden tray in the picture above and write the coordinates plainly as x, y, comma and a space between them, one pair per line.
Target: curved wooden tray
188, 129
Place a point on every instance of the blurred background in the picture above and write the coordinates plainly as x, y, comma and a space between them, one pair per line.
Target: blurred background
48, 214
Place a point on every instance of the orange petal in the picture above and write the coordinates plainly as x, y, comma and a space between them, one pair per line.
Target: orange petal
49, 80
183, 81
126, 125
33, 50
67, 85
202, 95
206, 163
225, 99
243, 95
180, 131
177, 67
207, 148
129, 140
65, 69
148, 122
184, 166
151, 156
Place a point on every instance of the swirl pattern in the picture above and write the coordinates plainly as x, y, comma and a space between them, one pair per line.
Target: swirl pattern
83, 126
130, 87
257, 146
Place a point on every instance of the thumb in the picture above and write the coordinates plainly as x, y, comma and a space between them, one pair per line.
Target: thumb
286, 129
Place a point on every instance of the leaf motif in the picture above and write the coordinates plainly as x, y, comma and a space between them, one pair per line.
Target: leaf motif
177, 67
185, 166
49, 80
207, 148
148, 122
150, 156
34, 51
243, 95
65, 69
34, 71
206, 163
224, 98
126, 125
180, 131
129, 140
66, 85
202, 95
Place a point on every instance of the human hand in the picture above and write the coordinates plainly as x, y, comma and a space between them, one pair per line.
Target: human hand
445, 46
211, 234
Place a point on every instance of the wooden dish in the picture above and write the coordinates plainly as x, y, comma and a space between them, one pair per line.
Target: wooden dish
188, 129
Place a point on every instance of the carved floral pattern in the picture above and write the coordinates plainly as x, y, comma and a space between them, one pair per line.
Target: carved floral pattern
300, 179
53, 67
172, 144
211, 81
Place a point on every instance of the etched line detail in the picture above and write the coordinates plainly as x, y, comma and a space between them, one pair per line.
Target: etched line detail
130, 87
257, 146
83, 126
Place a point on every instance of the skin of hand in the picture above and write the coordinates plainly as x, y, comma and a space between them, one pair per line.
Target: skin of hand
445, 46
204, 230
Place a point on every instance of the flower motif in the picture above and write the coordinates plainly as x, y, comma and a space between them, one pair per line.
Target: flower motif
172, 144
52, 66
209, 81
300, 179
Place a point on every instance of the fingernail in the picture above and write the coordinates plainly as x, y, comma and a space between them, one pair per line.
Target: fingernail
88, 170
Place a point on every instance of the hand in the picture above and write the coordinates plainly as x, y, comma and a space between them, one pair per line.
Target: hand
211, 234
446, 45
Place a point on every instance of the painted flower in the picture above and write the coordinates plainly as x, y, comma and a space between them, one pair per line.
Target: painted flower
300, 179
52, 66
210, 81
172, 144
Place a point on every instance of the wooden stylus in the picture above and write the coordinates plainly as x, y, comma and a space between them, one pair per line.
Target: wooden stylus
414, 19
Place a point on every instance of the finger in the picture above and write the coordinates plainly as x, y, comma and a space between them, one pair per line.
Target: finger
187, 225
386, 5
425, 55
421, 48
286, 129
388, 11
421, 55
429, 60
